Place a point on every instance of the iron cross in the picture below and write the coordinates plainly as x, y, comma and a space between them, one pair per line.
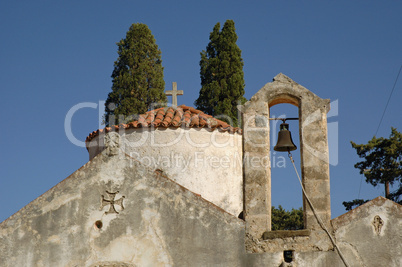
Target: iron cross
112, 202
174, 93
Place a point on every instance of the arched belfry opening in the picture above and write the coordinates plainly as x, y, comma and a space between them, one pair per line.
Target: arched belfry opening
286, 192
313, 149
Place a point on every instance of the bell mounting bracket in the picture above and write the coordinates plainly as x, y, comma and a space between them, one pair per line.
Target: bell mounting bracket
284, 119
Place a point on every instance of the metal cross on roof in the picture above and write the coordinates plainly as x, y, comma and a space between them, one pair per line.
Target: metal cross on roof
174, 93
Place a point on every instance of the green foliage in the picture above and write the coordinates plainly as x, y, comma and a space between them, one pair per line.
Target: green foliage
221, 71
349, 205
287, 220
381, 164
138, 83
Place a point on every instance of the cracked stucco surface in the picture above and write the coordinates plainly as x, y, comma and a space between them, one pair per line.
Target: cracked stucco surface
161, 222
206, 162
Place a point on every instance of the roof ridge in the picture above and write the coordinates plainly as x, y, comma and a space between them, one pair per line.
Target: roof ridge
165, 117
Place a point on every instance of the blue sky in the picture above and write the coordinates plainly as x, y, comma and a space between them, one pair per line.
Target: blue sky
56, 54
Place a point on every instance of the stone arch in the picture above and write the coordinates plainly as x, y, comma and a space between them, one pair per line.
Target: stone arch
313, 151
284, 98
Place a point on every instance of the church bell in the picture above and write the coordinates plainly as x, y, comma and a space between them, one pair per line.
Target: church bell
285, 142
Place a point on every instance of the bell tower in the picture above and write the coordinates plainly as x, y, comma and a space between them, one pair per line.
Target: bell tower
313, 151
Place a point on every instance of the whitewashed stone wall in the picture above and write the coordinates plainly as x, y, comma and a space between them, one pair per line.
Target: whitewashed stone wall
206, 162
115, 212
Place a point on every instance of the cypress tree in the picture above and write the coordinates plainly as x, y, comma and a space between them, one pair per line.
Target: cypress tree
137, 77
221, 71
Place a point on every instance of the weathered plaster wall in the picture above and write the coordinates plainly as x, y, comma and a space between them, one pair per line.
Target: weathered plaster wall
162, 223
207, 162
301, 259
371, 234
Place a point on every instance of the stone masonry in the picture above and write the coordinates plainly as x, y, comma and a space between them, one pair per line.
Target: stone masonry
314, 158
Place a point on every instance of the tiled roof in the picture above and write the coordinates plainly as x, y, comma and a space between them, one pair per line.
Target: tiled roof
182, 116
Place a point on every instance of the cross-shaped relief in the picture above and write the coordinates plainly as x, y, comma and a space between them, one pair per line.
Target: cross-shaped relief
112, 202
378, 223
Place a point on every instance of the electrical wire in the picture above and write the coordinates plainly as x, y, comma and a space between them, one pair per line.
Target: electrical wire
382, 117
389, 98
316, 215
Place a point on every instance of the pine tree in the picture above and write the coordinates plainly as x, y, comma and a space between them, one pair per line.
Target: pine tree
287, 220
137, 77
221, 71
382, 164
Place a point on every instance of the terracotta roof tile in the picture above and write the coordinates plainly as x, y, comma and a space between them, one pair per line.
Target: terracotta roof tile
182, 116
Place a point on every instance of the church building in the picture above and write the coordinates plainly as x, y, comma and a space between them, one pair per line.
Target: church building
178, 187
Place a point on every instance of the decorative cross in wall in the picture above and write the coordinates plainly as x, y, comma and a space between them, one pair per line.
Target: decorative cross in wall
378, 223
174, 93
111, 202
